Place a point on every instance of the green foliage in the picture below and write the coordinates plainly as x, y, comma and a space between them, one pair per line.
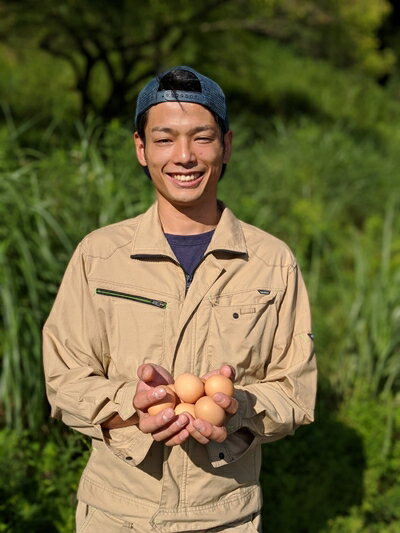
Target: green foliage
39, 479
340, 474
314, 476
111, 47
43, 201
377, 421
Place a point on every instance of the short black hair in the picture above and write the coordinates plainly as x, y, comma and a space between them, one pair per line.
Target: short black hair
178, 80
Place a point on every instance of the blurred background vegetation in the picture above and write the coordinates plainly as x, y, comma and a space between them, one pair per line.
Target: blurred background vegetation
314, 94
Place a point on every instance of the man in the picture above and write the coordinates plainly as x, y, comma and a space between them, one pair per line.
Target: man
184, 287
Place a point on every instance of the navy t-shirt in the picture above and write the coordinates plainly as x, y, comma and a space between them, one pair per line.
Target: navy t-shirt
189, 249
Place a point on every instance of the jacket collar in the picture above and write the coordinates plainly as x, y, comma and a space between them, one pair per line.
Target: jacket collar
228, 235
149, 239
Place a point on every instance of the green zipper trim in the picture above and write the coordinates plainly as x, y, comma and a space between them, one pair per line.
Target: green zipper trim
126, 296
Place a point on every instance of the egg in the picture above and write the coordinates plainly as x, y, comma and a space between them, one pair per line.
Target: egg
185, 408
208, 410
168, 401
189, 387
218, 383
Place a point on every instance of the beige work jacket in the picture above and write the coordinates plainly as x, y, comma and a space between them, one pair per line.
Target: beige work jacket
123, 301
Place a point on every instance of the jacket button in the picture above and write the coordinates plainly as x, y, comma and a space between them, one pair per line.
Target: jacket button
129, 458
221, 455
235, 315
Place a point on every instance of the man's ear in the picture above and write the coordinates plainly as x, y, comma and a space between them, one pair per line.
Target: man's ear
227, 146
140, 152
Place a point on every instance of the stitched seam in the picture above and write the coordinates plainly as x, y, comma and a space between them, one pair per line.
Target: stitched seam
245, 291
117, 493
296, 400
221, 503
285, 265
86, 254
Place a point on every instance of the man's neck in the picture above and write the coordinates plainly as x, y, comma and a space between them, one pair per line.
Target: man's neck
188, 220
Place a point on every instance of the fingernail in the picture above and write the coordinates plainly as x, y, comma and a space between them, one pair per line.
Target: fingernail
159, 393
218, 397
183, 436
146, 372
167, 415
182, 421
199, 426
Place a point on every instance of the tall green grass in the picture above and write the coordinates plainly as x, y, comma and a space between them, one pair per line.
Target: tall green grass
371, 347
47, 205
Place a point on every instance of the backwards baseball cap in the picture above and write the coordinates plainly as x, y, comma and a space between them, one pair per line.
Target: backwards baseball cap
210, 95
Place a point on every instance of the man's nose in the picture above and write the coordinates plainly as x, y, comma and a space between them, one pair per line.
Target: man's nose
183, 153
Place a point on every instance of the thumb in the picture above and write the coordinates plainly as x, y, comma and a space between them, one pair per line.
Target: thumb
145, 372
228, 371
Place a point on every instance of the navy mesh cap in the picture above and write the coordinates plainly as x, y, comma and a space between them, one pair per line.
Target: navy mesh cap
211, 96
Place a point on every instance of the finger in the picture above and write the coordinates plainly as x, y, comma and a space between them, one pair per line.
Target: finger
145, 372
209, 374
228, 371
171, 431
151, 424
205, 432
144, 399
230, 404
154, 374
179, 438
197, 434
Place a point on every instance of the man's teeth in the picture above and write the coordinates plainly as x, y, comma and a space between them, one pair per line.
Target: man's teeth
185, 177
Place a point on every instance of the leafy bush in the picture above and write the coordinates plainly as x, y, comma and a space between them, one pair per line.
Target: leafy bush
39, 475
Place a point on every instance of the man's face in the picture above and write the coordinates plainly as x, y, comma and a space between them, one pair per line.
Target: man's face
184, 153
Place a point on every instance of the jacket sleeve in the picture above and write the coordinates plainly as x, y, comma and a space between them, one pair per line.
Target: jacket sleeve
75, 367
284, 399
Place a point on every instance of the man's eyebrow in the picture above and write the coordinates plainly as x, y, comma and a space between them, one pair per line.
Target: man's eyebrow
197, 129
164, 130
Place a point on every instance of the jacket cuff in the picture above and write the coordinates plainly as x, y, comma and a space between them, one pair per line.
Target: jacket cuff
124, 398
128, 444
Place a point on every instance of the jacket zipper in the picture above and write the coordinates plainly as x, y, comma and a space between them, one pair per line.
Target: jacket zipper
126, 296
189, 277
188, 281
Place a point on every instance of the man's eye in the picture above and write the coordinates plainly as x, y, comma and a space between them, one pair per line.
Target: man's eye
162, 141
204, 139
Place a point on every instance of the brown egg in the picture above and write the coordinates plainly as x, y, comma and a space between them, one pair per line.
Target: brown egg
218, 383
207, 409
189, 387
168, 401
185, 408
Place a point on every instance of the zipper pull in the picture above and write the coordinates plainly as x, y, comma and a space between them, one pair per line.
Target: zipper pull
188, 278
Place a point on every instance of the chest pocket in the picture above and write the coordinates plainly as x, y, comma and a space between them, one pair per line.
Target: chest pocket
136, 328
241, 331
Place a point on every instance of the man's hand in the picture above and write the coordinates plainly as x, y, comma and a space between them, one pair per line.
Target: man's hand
164, 426
203, 431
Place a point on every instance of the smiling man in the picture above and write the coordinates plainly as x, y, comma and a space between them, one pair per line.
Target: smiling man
184, 287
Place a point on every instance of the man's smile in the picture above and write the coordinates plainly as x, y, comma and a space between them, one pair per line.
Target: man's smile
185, 178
